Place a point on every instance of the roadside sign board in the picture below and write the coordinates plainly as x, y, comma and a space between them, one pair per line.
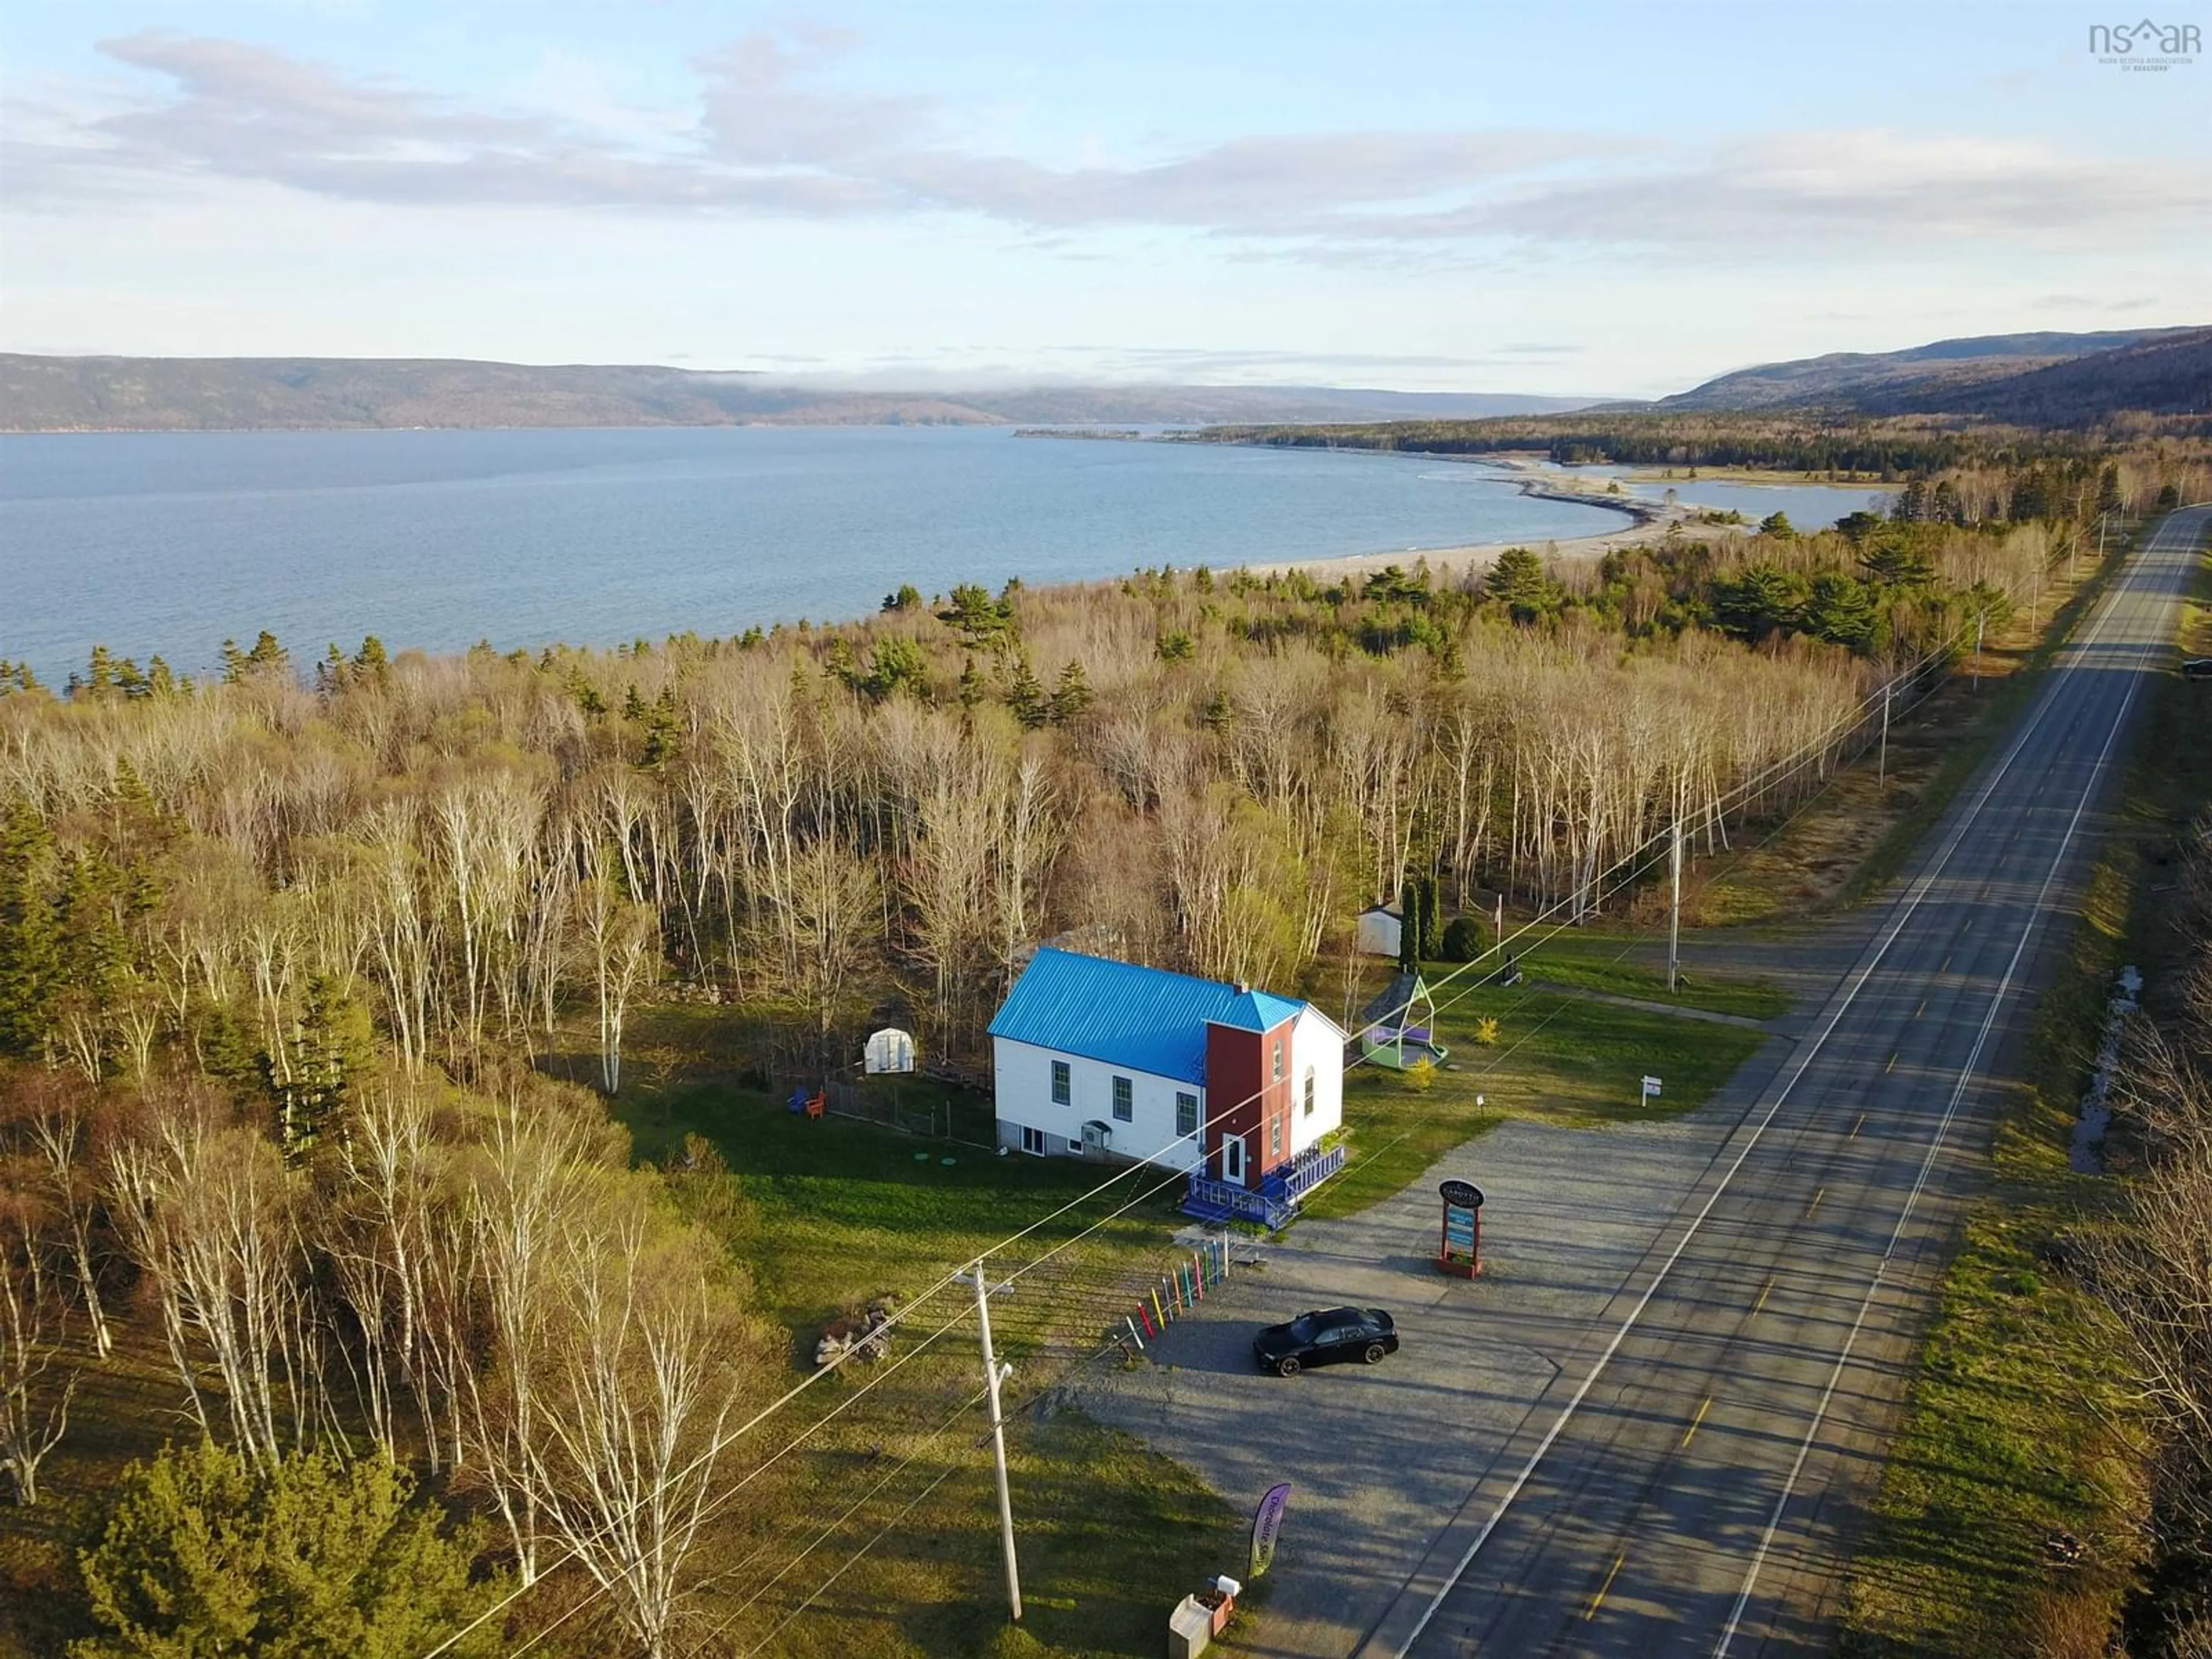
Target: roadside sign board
1651, 1088
1459, 1247
1461, 1194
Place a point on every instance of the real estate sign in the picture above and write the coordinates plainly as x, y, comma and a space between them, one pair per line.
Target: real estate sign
1460, 1249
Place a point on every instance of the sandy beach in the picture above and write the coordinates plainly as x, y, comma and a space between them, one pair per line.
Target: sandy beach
1646, 520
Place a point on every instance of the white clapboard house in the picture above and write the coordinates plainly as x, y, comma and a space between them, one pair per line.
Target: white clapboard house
1109, 1059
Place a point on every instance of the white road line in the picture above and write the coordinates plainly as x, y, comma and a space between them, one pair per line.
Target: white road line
1921, 887
1928, 1163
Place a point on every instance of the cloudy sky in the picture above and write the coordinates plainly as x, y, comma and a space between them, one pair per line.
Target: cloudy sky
1574, 198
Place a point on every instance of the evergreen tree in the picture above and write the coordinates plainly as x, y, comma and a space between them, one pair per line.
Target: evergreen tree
1841, 610
267, 656
30, 930
1072, 695
896, 665
972, 685
1518, 582
332, 1043
1764, 599
840, 666
662, 727
1896, 560
581, 689
199, 1552
1463, 940
1026, 697
981, 619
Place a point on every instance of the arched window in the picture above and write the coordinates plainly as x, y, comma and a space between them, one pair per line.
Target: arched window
1310, 1091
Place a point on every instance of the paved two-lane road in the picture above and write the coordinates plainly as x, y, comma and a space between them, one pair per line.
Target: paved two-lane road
1679, 1489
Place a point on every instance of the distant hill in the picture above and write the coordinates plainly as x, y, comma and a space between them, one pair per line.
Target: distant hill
2104, 372
64, 394
2166, 374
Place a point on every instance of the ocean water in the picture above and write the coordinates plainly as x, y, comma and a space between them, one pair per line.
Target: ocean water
1809, 507
170, 543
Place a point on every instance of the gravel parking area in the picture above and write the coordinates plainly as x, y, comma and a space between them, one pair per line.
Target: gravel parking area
1379, 1458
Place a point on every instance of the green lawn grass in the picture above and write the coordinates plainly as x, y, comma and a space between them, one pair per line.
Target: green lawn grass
1621, 963
1559, 1058
835, 1212
828, 1213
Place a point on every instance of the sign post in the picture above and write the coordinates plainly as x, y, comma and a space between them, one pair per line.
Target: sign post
1650, 1088
1459, 1250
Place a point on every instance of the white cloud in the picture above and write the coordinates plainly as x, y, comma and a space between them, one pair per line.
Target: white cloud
775, 135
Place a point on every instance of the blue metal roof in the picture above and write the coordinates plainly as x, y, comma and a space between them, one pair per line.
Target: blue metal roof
1121, 1014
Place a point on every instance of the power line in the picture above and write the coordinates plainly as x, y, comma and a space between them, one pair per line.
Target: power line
1712, 811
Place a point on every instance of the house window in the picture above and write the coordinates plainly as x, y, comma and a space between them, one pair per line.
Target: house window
1279, 1060
1125, 1105
1275, 1136
1310, 1091
1033, 1140
1186, 1114
1062, 1089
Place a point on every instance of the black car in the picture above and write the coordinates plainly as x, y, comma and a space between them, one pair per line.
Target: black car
1325, 1337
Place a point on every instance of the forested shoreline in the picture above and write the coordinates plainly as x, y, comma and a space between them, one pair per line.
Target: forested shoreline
1890, 451
282, 956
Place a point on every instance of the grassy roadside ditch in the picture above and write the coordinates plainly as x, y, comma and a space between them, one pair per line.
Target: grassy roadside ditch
2016, 1443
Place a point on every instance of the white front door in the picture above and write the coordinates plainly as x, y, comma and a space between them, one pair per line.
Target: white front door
1232, 1159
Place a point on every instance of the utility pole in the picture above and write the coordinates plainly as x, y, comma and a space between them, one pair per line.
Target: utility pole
993, 1376
1674, 909
1882, 766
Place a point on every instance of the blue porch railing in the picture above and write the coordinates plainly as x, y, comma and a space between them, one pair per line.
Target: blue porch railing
1222, 1200
1310, 1168
1274, 1201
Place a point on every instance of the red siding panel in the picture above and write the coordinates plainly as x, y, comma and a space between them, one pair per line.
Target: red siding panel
1244, 1097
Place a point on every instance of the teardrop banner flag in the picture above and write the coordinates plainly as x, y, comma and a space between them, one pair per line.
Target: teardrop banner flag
1268, 1522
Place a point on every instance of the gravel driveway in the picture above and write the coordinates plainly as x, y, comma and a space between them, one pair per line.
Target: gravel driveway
1379, 1458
